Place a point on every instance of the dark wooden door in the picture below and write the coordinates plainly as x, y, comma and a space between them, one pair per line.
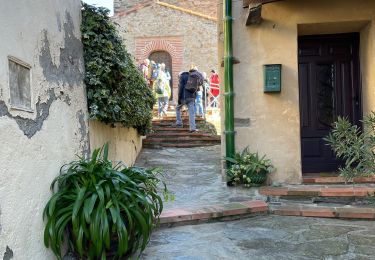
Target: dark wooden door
166, 58
329, 87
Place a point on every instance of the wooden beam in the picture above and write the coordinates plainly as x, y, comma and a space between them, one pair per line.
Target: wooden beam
187, 11
254, 16
247, 3
255, 10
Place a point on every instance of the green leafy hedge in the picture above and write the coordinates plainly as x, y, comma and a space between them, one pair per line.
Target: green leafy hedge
116, 90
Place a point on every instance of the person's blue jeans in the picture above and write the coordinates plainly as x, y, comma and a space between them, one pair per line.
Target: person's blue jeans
162, 105
191, 107
199, 104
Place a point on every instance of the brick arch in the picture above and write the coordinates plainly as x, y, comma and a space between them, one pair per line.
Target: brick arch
173, 45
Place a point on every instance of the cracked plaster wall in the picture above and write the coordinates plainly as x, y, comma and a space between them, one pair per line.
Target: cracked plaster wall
34, 145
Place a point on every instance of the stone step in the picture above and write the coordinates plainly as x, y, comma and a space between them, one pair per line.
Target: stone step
173, 119
178, 135
319, 191
323, 211
170, 124
176, 145
336, 180
230, 211
182, 139
170, 129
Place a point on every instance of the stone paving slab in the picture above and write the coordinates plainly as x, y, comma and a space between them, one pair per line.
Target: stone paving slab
194, 176
266, 237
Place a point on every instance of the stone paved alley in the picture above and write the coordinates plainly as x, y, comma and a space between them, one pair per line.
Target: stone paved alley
193, 174
266, 237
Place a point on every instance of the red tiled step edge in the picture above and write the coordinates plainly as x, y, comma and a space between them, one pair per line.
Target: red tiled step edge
324, 212
311, 191
235, 209
336, 180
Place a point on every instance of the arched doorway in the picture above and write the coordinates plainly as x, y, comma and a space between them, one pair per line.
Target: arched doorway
166, 58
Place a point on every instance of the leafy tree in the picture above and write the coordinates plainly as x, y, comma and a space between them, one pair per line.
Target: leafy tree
116, 90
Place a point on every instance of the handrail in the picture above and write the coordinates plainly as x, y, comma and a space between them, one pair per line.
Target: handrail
187, 11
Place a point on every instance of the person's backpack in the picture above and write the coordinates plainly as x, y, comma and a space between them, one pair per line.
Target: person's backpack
155, 73
194, 81
159, 86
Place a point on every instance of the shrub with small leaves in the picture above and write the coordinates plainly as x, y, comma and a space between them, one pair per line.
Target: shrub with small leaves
354, 146
116, 90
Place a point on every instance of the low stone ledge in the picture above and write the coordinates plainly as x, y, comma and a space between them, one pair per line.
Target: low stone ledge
344, 212
317, 191
215, 212
336, 180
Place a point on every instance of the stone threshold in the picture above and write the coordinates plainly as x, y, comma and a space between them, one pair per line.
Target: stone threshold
245, 209
336, 180
229, 211
342, 212
319, 191
173, 119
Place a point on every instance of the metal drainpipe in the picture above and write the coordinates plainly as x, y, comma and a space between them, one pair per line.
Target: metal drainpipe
228, 81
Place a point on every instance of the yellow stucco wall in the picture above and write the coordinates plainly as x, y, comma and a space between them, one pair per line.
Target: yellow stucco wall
124, 143
274, 118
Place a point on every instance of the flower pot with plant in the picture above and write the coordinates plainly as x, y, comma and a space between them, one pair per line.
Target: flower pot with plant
248, 169
102, 210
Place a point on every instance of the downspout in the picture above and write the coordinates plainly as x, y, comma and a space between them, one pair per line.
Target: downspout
228, 81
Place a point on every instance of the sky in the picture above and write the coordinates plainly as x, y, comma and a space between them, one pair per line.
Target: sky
106, 3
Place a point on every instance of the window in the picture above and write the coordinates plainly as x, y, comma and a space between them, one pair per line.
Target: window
19, 84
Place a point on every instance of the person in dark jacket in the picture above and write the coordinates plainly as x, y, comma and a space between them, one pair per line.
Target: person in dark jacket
186, 97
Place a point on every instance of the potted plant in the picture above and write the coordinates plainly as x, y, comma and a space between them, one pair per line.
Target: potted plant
248, 169
102, 210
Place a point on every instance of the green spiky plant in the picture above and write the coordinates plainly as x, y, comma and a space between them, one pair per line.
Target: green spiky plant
102, 210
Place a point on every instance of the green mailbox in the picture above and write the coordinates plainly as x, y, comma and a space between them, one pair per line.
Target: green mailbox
272, 78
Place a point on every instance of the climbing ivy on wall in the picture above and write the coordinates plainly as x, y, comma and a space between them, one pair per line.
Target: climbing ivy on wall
116, 91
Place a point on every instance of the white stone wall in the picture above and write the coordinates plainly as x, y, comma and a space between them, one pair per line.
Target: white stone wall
199, 34
34, 145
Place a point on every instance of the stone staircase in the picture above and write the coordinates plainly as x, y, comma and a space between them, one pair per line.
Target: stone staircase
327, 197
165, 135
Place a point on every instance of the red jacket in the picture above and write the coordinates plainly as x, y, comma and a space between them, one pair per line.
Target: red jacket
214, 85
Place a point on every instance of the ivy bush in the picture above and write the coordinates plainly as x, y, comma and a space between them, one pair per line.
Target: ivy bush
116, 90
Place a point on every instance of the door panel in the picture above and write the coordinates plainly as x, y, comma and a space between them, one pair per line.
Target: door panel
329, 87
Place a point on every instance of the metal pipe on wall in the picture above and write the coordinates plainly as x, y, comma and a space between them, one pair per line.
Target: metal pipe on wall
228, 80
